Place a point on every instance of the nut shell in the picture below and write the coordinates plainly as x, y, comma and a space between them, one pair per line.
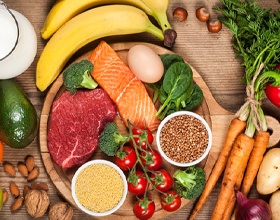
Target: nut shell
36, 202
60, 211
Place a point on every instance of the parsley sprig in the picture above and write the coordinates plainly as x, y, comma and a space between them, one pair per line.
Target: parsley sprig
256, 40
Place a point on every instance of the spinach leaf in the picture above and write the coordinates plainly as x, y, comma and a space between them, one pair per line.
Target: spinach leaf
176, 81
194, 100
167, 60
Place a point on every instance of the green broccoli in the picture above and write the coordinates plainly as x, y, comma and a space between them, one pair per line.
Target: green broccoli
189, 182
77, 75
110, 139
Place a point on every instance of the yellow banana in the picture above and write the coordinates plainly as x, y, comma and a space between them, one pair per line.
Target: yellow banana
64, 10
88, 26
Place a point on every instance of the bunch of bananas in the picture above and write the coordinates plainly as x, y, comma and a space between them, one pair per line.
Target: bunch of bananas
71, 24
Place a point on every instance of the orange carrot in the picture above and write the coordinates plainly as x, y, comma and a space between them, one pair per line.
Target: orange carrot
237, 161
256, 157
236, 127
232, 200
1, 151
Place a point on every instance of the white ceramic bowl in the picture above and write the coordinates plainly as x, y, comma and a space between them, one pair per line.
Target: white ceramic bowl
110, 164
191, 163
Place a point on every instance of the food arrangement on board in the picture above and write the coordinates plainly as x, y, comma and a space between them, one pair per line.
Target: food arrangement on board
140, 114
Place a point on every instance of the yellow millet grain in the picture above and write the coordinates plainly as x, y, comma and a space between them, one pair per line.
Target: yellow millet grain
99, 187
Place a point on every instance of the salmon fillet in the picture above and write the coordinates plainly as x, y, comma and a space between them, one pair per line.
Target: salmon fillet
124, 88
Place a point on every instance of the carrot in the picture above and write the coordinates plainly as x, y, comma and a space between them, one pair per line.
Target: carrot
1, 151
256, 157
237, 161
236, 127
230, 206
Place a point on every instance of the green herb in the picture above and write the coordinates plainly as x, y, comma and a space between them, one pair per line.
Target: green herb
256, 40
176, 90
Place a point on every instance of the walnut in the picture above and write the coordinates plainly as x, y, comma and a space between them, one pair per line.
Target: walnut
36, 202
60, 211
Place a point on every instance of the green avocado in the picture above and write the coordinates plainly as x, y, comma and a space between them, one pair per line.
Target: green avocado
18, 117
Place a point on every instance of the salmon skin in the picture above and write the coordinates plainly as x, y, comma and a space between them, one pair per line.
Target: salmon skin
124, 88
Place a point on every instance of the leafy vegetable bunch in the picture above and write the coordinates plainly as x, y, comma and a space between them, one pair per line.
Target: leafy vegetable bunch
176, 90
133, 152
256, 40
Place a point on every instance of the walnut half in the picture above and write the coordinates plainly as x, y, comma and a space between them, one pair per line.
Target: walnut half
36, 202
61, 211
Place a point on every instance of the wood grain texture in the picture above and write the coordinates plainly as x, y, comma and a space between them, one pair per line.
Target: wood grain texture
210, 55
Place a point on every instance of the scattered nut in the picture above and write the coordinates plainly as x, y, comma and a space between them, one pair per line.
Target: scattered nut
202, 14
9, 168
26, 188
36, 202
214, 26
33, 174
22, 169
5, 196
60, 210
180, 14
14, 189
17, 204
29, 162
42, 186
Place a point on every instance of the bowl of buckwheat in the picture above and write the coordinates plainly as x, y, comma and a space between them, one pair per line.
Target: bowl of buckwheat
184, 138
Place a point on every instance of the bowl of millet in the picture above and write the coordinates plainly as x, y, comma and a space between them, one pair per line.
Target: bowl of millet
99, 187
184, 138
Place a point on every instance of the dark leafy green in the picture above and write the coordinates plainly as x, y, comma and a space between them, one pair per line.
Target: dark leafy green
176, 90
167, 60
176, 82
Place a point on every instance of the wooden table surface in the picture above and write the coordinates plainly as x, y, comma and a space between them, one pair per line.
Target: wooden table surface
210, 54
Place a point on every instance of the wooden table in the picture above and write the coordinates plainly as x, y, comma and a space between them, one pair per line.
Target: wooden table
210, 54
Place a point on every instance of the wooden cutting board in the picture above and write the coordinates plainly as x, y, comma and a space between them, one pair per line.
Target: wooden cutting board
217, 117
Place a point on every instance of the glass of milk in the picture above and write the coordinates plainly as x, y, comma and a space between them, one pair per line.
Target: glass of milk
18, 43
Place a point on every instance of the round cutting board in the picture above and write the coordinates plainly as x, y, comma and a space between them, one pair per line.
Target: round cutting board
217, 117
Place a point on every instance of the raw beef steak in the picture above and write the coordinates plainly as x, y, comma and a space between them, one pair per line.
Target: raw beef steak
76, 122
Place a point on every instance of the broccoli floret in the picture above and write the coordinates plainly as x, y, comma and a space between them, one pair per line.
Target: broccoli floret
77, 75
110, 139
189, 182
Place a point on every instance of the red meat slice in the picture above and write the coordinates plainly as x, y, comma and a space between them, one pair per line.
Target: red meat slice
75, 124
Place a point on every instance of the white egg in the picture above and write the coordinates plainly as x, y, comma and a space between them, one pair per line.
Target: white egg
145, 63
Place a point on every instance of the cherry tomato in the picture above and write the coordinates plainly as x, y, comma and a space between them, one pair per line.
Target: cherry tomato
144, 208
126, 159
137, 183
273, 94
141, 136
151, 158
162, 180
170, 201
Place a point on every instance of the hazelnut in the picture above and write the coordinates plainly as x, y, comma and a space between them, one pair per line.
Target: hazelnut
180, 14
36, 202
214, 26
60, 210
202, 14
